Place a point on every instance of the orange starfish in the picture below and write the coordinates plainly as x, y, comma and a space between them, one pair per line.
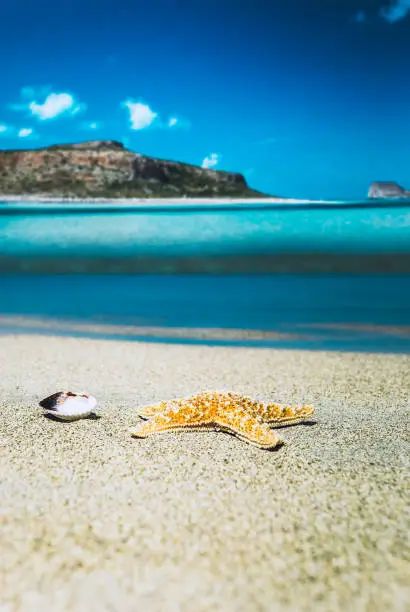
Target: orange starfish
237, 414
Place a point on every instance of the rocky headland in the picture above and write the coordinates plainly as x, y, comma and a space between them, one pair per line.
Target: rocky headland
106, 169
386, 189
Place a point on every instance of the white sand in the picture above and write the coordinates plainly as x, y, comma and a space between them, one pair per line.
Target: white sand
93, 519
152, 200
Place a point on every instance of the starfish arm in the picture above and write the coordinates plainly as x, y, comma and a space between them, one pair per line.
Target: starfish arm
274, 414
147, 412
280, 415
248, 427
157, 425
178, 415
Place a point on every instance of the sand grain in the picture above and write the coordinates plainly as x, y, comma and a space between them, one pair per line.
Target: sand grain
93, 519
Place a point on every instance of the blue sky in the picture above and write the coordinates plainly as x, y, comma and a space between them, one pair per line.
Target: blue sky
307, 98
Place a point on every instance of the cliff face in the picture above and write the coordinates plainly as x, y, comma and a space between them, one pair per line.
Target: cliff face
387, 190
107, 169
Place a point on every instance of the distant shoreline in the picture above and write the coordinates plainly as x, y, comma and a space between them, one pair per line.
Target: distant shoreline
39, 198
23, 202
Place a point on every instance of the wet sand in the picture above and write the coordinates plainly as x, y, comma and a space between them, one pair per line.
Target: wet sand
92, 519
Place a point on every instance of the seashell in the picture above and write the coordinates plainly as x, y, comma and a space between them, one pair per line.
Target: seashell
69, 406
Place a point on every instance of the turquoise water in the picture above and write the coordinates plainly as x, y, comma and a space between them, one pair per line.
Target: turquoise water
117, 231
235, 245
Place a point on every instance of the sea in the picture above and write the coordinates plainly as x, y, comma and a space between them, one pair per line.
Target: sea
313, 276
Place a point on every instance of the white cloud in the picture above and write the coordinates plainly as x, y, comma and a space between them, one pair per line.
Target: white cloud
54, 105
179, 123
91, 125
211, 160
360, 17
3, 128
141, 115
397, 9
24, 132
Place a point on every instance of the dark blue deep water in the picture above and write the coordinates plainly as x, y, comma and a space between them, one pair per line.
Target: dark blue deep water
335, 312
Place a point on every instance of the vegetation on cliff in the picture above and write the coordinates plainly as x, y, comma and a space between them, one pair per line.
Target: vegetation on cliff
107, 169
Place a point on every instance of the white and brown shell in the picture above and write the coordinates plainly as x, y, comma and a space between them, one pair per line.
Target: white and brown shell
69, 406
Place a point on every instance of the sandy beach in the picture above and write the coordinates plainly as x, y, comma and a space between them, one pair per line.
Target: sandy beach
217, 201
92, 519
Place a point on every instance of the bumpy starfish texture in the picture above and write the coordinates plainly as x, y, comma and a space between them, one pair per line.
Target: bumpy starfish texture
230, 412
279, 415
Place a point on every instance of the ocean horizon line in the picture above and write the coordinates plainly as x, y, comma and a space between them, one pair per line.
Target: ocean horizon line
50, 204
